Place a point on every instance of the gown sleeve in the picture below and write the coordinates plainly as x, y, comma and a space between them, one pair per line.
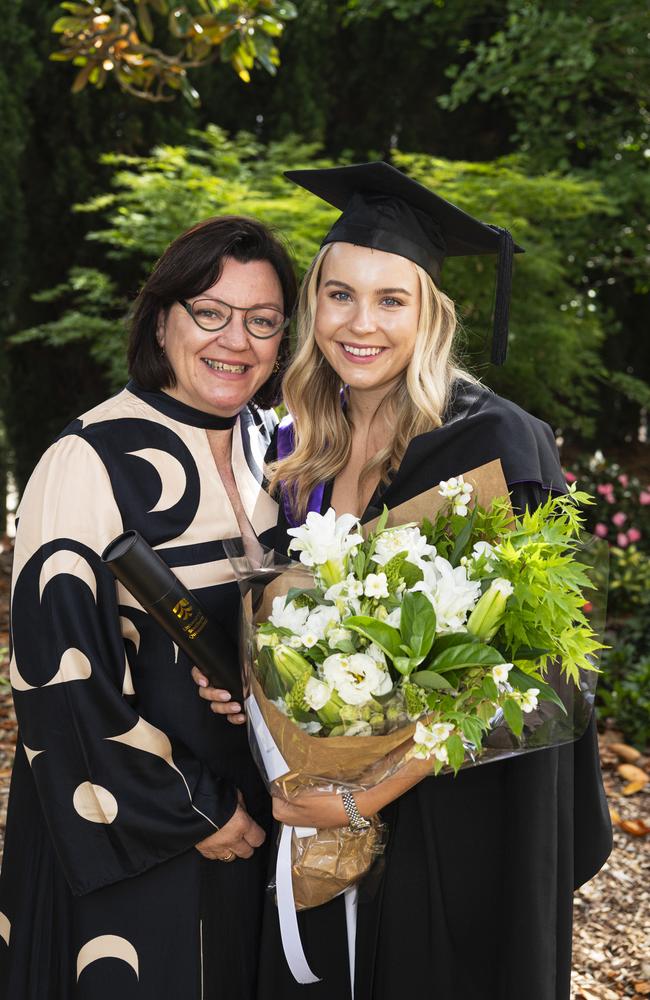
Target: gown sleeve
117, 795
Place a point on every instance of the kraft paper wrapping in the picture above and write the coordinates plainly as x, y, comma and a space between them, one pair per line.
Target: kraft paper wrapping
326, 863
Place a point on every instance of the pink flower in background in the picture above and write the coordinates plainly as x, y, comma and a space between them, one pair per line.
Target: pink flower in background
570, 478
644, 498
619, 519
623, 480
605, 489
621, 540
601, 530
633, 535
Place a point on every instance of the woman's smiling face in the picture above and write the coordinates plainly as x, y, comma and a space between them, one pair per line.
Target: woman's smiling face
367, 313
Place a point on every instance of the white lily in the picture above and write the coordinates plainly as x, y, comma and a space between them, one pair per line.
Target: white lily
325, 541
450, 591
287, 615
376, 585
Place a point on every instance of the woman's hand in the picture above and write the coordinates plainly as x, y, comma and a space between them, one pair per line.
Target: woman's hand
240, 836
319, 809
220, 701
325, 809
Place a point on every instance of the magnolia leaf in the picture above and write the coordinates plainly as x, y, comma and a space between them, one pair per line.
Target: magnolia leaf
411, 574
467, 654
385, 636
431, 680
453, 639
418, 623
489, 688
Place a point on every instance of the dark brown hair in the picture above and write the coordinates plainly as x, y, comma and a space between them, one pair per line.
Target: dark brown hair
190, 265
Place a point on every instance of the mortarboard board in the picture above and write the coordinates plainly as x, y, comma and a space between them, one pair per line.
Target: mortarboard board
386, 210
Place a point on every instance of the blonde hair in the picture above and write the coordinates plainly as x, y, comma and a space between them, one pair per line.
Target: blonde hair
312, 394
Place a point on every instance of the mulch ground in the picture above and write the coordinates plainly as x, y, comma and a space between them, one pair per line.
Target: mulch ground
611, 942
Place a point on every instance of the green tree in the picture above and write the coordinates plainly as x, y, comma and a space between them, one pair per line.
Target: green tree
152, 198
577, 86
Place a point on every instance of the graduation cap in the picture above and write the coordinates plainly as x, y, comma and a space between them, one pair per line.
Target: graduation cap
386, 210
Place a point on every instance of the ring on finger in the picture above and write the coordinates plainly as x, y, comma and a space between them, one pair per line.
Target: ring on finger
230, 856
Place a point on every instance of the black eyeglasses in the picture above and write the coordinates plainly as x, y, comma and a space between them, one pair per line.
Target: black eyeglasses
213, 314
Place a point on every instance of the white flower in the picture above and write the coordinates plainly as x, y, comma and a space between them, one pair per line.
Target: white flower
346, 595
429, 740
336, 635
404, 539
529, 700
453, 596
322, 618
359, 728
288, 615
317, 694
308, 639
325, 537
356, 678
500, 673
441, 731
455, 487
503, 586
295, 641
376, 585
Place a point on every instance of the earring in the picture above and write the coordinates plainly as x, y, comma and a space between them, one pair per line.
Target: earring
276, 367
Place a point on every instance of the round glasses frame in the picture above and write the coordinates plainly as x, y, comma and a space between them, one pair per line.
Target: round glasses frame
189, 308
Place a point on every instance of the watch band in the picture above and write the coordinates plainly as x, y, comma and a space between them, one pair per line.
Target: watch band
357, 822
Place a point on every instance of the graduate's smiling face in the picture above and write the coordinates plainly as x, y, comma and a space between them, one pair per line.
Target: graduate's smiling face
367, 313
220, 371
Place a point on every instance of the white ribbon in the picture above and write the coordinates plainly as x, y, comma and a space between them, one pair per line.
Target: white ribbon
275, 765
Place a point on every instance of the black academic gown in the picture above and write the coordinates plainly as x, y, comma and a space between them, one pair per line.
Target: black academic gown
120, 769
474, 897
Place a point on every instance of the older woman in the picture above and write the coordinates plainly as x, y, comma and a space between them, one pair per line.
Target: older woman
132, 865
475, 899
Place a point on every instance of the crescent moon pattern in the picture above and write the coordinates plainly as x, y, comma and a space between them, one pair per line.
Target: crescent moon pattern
66, 561
30, 754
146, 737
73, 666
107, 946
94, 803
18, 682
129, 466
171, 473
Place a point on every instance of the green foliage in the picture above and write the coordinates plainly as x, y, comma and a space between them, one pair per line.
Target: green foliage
153, 198
624, 689
118, 39
621, 511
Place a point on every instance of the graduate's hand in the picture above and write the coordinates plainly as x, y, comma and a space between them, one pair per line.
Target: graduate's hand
240, 836
319, 809
220, 701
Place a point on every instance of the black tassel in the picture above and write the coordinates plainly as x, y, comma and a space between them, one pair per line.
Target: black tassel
502, 296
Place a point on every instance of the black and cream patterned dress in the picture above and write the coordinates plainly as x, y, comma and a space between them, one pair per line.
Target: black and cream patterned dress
120, 769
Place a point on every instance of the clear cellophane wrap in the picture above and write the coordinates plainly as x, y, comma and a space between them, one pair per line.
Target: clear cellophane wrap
326, 862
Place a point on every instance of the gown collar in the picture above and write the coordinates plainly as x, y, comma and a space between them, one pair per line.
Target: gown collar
177, 410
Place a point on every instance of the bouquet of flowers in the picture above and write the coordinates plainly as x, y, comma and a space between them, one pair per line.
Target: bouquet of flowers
458, 635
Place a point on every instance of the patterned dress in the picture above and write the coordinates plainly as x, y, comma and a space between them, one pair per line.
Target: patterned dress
120, 769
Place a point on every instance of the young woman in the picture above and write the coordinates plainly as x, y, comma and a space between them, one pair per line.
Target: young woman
475, 899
